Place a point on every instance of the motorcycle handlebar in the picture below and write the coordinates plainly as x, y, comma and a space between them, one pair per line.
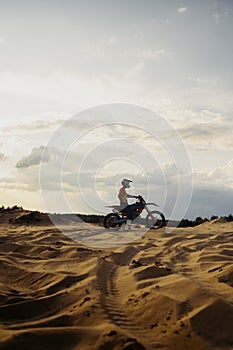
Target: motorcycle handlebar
138, 197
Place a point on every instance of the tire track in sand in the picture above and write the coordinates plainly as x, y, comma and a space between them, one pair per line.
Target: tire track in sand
110, 299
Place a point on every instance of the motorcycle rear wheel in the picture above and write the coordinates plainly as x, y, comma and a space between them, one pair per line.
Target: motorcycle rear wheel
111, 221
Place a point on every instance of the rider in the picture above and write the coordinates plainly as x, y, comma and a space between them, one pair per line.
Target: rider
128, 209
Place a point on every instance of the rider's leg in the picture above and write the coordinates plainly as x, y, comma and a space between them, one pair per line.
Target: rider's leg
129, 214
129, 211
128, 224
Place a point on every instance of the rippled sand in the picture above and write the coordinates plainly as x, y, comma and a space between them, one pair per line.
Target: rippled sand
161, 291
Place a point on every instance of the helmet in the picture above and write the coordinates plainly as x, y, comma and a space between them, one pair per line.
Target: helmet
125, 183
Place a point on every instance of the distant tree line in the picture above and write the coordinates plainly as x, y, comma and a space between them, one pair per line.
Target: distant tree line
199, 220
92, 219
98, 219
14, 207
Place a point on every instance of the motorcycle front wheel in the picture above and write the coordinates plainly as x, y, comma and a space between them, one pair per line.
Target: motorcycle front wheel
112, 221
155, 219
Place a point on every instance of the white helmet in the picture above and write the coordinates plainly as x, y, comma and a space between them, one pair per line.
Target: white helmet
126, 183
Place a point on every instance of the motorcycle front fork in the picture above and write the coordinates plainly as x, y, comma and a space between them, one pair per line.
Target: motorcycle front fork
149, 212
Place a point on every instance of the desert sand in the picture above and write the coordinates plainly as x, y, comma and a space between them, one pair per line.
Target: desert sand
161, 291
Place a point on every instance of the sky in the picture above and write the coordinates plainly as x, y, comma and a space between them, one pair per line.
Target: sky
60, 58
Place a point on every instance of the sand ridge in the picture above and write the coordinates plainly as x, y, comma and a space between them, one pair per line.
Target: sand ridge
161, 291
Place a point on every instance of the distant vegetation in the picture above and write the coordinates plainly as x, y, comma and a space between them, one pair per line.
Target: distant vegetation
14, 207
199, 220
98, 219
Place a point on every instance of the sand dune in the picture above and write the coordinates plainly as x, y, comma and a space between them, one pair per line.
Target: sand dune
162, 291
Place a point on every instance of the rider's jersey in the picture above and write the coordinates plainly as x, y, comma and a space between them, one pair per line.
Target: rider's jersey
123, 197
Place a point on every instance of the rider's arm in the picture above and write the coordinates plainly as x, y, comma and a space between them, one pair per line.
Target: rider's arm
130, 196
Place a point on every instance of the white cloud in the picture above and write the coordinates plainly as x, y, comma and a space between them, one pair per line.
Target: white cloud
220, 176
34, 158
202, 129
182, 9
72, 89
209, 135
37, 125
21, 179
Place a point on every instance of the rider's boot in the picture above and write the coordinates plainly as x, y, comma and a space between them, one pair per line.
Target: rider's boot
127, 225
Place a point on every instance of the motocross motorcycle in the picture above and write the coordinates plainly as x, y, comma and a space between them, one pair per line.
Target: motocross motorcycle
118, 217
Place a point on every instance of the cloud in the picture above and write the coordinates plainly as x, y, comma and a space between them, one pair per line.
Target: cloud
37, 125
22, 179
64, 88
207, 137
219, 176
34, 158
202, 129
25, 175
213, 188
182, 9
